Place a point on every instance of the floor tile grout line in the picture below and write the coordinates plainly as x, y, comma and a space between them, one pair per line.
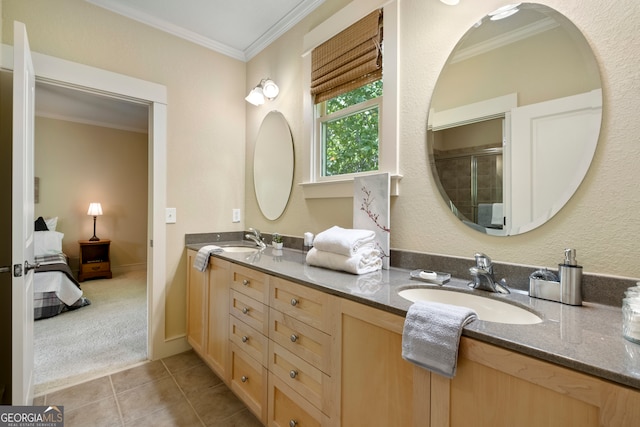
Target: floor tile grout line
115, 397
183, 394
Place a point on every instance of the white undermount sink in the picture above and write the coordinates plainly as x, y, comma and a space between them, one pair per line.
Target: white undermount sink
240, 249
488, 309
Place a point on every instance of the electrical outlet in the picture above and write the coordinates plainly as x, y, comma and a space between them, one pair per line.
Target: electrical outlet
170, 216
235, 215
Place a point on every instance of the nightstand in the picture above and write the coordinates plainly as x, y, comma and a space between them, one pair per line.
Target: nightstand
94, 259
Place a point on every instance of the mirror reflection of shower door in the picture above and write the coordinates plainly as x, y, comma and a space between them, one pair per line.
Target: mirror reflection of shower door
473, 181
469, 162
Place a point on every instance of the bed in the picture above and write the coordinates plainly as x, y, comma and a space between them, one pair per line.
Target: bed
55, 288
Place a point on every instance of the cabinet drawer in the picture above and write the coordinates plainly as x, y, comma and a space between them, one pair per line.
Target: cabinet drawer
305, 379
250, 282
305, 304
95, 267
286, 408
248, 339
249, 382
250, 311
308, 343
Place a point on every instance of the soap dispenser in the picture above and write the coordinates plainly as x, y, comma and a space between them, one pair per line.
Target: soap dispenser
570, 279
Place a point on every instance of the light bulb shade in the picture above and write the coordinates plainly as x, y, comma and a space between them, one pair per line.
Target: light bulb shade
95, 209
270, 89
255, 97
450, 2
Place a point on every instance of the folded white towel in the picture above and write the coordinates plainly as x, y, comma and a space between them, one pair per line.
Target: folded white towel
431, 335
202, 258
364, 261
344, 241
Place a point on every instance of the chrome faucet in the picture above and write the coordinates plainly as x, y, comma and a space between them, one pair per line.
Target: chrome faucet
483, 277
256, 237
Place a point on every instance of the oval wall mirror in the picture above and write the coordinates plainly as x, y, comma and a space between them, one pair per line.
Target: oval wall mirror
514, 120
273, 165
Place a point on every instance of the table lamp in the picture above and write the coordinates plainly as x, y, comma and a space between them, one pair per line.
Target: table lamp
94, 210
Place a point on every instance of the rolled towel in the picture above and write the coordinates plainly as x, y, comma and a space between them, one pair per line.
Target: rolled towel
202, 257
431, 335
362, 262
344, 241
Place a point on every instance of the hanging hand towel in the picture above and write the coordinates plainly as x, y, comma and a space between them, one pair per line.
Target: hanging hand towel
202, 258
431, 335
362, 262
344, 241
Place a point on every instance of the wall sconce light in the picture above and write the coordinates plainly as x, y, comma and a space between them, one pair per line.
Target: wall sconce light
95, 209
450, 2
267, 88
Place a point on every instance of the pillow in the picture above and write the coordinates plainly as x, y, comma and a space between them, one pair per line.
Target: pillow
52, 223
41, 225
47, 243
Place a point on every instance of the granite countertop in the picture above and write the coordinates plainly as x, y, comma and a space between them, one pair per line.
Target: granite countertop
587, 338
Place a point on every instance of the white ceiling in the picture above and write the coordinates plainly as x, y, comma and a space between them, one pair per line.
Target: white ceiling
236, 28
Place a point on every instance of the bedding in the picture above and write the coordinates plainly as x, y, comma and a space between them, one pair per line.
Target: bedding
55, 288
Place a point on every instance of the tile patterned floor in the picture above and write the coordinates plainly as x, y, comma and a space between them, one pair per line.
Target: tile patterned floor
179, 391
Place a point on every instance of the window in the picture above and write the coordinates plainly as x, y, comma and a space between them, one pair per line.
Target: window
346, 87
352, 128
348, 131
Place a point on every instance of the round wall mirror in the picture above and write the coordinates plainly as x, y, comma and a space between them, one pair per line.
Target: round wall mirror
273, 165
514, 120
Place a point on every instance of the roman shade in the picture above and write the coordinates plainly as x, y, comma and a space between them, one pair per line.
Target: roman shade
350, 59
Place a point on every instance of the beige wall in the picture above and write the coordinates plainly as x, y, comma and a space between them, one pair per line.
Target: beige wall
599, 221
209, 126
78, 164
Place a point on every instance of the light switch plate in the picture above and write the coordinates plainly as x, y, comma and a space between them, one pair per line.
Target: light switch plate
170, 216
235, 215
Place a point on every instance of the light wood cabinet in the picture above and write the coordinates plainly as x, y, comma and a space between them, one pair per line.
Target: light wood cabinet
301, 324
208, 312
298, 356
196, 305
217, 347
376, 387
494, 386
248, 333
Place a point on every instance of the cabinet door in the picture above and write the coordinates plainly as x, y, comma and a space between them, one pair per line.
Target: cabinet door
377, 387
495, 386
196, 305
218, 316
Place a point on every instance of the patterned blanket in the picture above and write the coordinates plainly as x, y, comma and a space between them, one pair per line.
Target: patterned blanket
49, 304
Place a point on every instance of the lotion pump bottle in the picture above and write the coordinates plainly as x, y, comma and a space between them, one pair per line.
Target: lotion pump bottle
570, 279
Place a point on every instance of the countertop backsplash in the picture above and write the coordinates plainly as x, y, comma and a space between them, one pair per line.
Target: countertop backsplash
596, 288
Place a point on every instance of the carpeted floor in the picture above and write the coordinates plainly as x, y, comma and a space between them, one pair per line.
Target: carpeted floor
99, 339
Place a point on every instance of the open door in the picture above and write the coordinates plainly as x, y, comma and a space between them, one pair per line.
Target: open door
22, 220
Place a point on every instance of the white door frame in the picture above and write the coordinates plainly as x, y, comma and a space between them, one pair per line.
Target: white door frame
90, 79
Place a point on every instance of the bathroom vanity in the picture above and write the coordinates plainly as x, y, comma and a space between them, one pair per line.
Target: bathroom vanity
311, 347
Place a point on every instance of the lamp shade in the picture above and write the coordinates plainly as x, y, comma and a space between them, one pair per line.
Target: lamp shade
255, 97
95, 209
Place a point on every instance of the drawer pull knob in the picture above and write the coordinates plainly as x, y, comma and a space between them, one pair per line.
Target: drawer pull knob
293, 423
245, 310
293, 373
294, 302
293, 338
245, 338
245, 282
244, 378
